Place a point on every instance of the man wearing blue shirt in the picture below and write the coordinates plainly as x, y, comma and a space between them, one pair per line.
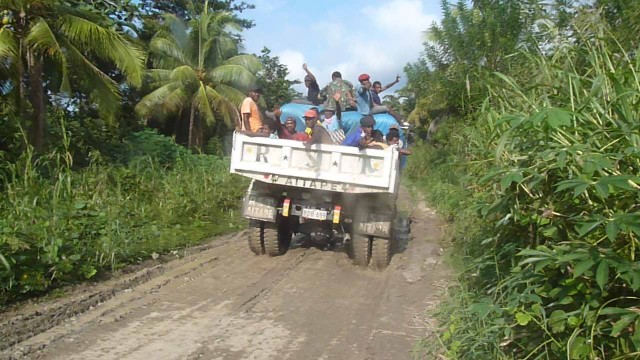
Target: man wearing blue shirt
364, 97
361, 136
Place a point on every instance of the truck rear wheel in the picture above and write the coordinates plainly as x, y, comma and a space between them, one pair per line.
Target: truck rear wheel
277, 237
361, 249
380, 253
255, 236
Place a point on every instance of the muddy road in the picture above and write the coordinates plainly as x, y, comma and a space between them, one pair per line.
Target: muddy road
222, 302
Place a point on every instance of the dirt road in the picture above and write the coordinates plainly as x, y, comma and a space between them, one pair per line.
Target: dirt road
223, 302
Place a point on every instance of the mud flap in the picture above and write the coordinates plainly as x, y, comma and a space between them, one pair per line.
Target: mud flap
375, 224
259, 207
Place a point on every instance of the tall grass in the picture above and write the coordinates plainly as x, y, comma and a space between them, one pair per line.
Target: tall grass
550, 171
60, 225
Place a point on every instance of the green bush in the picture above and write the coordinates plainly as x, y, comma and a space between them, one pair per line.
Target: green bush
551, 171
60, 225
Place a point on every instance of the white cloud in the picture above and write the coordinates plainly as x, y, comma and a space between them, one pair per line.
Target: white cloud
293, 59
378, 39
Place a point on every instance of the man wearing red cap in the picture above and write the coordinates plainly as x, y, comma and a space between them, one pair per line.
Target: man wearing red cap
319, 135
365, 96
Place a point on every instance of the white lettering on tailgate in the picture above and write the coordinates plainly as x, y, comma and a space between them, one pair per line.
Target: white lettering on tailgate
310, 183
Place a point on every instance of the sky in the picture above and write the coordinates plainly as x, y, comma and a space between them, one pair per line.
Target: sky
376, 37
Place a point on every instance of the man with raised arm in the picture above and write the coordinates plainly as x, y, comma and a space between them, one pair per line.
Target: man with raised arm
313, 89
377, 89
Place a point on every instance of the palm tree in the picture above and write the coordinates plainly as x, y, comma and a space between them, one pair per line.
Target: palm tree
35, 31
198, 70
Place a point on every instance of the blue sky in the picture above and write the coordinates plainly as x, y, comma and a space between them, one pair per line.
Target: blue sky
377, 37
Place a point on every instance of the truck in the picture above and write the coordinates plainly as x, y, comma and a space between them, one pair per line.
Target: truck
330, 193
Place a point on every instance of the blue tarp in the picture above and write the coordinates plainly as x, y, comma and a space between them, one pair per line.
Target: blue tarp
350, 119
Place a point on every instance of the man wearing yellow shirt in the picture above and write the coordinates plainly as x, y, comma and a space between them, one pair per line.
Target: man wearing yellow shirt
251, 118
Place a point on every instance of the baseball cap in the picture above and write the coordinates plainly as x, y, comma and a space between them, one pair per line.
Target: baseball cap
367, 121
364, 77
329, 107
310, 114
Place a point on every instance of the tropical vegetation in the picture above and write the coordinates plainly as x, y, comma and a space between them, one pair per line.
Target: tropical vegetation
535, 164
526, 113
96, 100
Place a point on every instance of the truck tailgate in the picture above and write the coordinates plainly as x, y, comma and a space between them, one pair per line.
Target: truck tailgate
323, 167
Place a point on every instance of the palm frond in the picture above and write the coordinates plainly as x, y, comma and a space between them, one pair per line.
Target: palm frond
223, 106
250, 62
149, 104
102, 87
175, 101
105, 43
184, 74
176, 31
167, 54
204, 104
8, 44
43, 41
230, 93
219, 49
235, 75
159, 75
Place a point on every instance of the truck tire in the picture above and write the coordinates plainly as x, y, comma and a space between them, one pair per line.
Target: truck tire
277, 237
380, 253
255, 235
361, 249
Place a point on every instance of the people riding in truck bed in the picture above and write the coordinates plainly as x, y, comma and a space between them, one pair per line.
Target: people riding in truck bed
318, 133
313, 89
377, 141
377, 88
251, 119
289, 131
362, 135
365, 99
344, 87
394, 142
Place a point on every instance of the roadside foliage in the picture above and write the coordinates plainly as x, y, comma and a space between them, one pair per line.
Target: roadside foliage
87, 186
542, 184
61, 225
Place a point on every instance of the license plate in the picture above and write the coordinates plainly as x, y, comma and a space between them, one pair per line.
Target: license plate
314, 214
262, 208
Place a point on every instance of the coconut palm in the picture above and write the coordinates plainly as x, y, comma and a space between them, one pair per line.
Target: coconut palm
35, 31
198, 70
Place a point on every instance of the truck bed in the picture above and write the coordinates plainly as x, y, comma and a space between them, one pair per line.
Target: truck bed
322, 167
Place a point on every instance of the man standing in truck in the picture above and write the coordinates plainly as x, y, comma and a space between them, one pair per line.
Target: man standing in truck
251, 119
343, 87
313, 89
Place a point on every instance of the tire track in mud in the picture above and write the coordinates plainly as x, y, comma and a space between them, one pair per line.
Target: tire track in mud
25, 325
145, 289
277, 276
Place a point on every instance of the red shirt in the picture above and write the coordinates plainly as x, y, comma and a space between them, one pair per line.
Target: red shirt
300, 136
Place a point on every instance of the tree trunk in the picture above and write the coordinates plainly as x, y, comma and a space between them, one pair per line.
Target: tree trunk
191, 120
36, 97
